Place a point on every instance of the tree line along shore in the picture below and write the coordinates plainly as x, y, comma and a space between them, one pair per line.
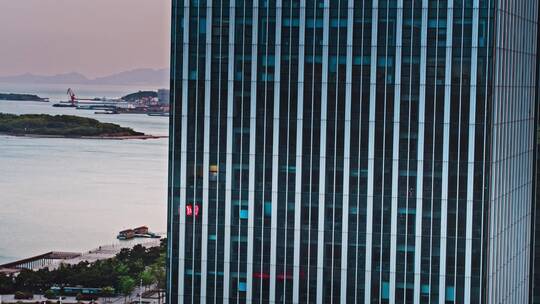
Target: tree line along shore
44, 125
116, 276
21, 97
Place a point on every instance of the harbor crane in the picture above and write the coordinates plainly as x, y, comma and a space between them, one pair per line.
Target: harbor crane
73, 98
91, 103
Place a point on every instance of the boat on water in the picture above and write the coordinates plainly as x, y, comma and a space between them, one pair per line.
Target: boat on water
108, 112
139, 232
165, 114
64, 104
96, 106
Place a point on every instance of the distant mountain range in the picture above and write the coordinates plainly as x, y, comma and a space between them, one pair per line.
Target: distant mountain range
151, 77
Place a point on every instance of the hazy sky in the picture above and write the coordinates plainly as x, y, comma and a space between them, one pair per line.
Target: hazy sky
93, 37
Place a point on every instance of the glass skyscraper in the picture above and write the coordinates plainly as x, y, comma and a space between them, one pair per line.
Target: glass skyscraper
353, 151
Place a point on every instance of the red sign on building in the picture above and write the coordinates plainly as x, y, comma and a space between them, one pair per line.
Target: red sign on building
192, 210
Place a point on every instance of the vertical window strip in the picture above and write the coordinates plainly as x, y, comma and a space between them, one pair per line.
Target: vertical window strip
322, 164
206, 150
347, 154
385, 19
432, 249
252, 149
264, 168
420, 166
275, 148
288, 62
299, 153
171, 252
195, 153
241, 183
446, 142
262, 264
451, 259
183, 157
494, 182
282, 194
333, 168
371, 152
360, 127
220, 117
485, 169
472, 133
409, 199
395, 155
312, 196
228, 177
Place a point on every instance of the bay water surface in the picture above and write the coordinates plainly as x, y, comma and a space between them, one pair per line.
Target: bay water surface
61, 194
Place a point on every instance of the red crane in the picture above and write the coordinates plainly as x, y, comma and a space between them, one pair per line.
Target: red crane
73, 98
71, 95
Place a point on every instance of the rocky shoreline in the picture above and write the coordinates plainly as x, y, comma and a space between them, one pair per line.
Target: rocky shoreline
114, 137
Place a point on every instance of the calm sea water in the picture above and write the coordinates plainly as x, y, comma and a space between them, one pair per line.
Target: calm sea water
76, 194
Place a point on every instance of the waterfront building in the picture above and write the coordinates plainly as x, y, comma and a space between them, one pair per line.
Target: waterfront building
352, 151
163, 96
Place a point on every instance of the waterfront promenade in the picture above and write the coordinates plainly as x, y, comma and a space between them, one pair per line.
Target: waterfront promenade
53, 260
133, 298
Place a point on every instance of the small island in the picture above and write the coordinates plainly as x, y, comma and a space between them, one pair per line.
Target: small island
140, 95
22, 97
68, 126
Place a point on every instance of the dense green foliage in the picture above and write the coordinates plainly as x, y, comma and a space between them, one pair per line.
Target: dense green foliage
59, 125
122, 272
140, 95
20, 97
126, 285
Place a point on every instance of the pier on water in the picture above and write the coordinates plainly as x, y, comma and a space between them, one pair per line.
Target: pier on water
38, 261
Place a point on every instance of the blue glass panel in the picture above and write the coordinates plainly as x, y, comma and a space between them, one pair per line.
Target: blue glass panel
385, 290
202, 25
268, 209
450, 293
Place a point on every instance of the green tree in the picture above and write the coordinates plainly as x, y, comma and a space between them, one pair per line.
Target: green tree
29, 280
136, 263
49, 294
147, 278
126, 286
136, 267
160, 276
6, 284
121, 269
63, 125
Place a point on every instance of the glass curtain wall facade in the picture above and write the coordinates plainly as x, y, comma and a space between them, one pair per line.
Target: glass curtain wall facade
535, 247
375, 151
